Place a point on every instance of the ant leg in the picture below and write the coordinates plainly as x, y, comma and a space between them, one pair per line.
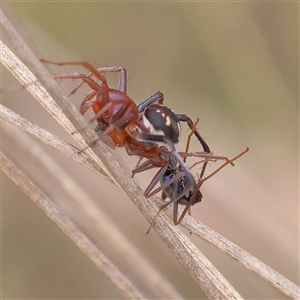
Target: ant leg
137, 166
196, 191
158, 213
171, 163
191, 202
208, 156
156, 98
166, 184
184, 118
200, 182
147, 165
201, 162
148, 137
144, 137
154, 181
225, 164
175, 212
188, 141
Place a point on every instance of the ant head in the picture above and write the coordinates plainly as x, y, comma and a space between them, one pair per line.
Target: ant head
161, 120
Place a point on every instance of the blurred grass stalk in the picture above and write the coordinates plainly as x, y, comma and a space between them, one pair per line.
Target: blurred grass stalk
203, 272
207, 277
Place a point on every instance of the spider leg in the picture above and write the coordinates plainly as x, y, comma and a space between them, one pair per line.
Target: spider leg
87, 102
95, 86
79, 85
78, 63
121, 122
156, 98
122, 79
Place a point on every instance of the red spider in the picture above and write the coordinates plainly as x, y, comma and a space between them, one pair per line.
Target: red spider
137, 127
140, 128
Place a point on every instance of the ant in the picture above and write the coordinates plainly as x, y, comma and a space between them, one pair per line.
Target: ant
140, 128
172, 184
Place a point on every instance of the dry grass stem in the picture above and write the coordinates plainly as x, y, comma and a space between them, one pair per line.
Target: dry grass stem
246, 259
199, 229
101, 222
66, 225
202, 271
38, 91
49, 139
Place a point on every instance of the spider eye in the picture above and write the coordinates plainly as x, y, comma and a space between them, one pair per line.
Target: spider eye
161, 120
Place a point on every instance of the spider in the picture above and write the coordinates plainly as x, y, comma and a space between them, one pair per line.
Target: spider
140, 128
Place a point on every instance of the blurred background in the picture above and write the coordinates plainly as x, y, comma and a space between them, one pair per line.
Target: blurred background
236, 67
